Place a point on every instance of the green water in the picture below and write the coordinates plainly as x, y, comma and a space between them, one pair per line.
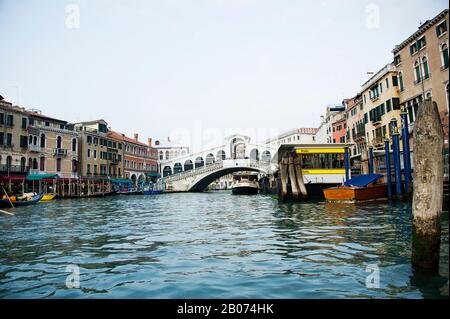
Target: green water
212, 245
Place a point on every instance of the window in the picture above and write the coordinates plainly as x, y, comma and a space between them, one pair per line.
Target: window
61, 126
381, 87
441, 28
394, 81
89, 169
88, 153
23, 141
9, 120
58, 164
2, 138
102, 128
395, 103
417, 71
89, 139
42, 164
9, 139
2, 118
413, 48
400, 81
47, 123
74, 145
426, 73
387, 83
388, 106
421, 43
24, 122
58, 142
444, 52
397, 59
95, 153
42, 140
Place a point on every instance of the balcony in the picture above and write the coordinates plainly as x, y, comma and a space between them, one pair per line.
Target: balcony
359, 135
34, 148
13, 169
60, 152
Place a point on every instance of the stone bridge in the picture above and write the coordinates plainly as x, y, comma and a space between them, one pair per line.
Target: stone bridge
194, 172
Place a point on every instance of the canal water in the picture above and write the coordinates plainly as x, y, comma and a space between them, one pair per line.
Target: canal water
212, 245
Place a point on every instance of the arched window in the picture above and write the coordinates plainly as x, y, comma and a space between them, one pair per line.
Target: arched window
58, 142
426, 72
167, 171
42, 164
199, 162
42, 140
254, 154
35, 163
30, 139
8, 162
417, 71
30, 163
74, 145
58, 164
428, 96
444, 52
161, 155
177, 168
167, 155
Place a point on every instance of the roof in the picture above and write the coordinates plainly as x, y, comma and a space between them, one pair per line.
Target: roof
90, 122
123, 137
44, 117
424, 27
302, 130
390, 67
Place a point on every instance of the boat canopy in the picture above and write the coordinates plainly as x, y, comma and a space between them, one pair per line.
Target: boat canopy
38, 177
363, 180
152, 174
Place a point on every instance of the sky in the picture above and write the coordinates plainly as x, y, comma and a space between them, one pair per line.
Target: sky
193, 69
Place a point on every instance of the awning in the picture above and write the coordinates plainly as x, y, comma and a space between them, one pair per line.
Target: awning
152, 174
38, 177
121, 181
363, 180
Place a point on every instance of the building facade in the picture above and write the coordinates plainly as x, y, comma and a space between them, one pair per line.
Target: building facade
339, 128
100, 156
381, 103
168, 150
422, 62
140, 160
13, 139
52, 146
303, 135
355, 125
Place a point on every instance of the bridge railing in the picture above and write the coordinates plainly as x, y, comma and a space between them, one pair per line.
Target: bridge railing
193, 172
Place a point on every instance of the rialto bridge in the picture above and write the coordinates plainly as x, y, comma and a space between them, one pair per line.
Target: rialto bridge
195, 171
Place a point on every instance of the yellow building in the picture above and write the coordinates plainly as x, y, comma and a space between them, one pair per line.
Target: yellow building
381, 103
422, 62
52, 146
100, 156
13, 139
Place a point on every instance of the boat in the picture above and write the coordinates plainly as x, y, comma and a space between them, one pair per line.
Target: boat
24, 200
48, 197
151, 189
129, 191
245, 184
357, 189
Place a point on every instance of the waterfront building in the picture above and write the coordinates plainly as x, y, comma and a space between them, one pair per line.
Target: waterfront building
339, 127
168, 150
324, 134
140, 160
100, 157
13, 139
355, 125
381, 103
422, 62
52, 146
301, 135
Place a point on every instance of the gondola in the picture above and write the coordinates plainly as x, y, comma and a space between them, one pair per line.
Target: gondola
29, 200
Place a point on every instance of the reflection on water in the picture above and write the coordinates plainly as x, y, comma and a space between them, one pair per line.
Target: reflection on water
212, 245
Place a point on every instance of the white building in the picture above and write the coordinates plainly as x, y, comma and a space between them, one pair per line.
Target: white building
297, 136
323, 134
168, 150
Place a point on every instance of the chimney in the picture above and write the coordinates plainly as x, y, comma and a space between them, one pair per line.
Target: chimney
149, 140
168, 139
136, 136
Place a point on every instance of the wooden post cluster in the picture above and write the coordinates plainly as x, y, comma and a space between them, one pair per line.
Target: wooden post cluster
291, 173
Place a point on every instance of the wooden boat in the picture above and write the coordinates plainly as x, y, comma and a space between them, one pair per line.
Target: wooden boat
21, 201
357, 189
245, 184
48, 197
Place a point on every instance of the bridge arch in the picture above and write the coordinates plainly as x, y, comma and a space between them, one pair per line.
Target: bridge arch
209, 159
199, 162
167, 170
188, 165
266, 156
203, 183
177, 168
254, 154
221, 155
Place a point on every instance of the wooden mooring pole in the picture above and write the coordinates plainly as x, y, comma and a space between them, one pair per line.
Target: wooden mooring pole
428, 188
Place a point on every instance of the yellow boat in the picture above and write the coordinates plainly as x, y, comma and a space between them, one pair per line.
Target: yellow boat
48, 197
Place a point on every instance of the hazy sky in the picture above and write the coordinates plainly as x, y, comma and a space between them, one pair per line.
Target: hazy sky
152, 66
